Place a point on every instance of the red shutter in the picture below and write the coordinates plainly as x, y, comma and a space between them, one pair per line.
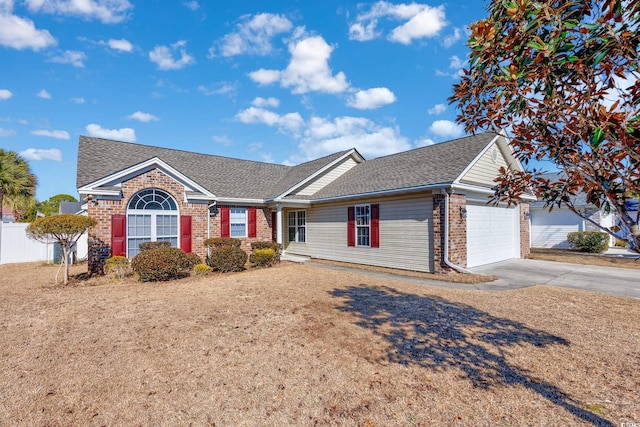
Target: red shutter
251, 220
118, 235
274, 225
185, 233
351, 226
375, 226
224, 222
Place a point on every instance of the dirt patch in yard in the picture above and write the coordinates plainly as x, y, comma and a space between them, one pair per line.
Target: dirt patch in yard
575, 257
302, 345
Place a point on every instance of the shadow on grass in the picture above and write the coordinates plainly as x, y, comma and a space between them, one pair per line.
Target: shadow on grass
432, 332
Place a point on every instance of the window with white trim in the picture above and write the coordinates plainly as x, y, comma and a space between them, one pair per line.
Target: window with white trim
238, 222
152, 216
363, 225
297, 226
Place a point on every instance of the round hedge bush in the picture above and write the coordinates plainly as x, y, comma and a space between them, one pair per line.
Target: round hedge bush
147, 246
160, 264
263, 257
227, 258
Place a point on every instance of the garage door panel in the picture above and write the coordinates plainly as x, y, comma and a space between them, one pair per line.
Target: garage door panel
492, 234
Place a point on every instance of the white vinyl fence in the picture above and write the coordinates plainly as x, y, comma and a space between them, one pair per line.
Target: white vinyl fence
15, 246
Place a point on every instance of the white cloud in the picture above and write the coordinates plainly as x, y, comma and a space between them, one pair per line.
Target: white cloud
193, 5
142, 117
324, 137
41, 154
7, 132
122, 45
57, 134
437, 109
252, 36
5, 94
77, 100
446, 129
423, 142
107, 11
265, 77
163, 56
218, 89
371, 98
21, 33
291, 122
44, 94
124, 134
72, 57
265, 102
452, 39
308, 70
223, 139
457, 65
420, 21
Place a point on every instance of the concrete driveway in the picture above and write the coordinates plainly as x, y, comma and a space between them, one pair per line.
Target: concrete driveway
525, 272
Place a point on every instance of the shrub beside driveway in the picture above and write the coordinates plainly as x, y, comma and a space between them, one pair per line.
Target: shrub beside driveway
299, 345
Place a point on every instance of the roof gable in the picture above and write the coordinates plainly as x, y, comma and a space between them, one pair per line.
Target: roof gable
485, 168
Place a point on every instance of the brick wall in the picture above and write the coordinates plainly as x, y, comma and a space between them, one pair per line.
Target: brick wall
102, 210
457, 233
525, 236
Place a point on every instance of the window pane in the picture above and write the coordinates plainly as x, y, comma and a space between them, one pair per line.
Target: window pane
292, 219
302, 218
292, 234
363, 236
238, 230
302, 234
172, 240
139, 225
133, 246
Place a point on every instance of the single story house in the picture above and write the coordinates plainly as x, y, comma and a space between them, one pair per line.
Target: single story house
424, 209
550, 229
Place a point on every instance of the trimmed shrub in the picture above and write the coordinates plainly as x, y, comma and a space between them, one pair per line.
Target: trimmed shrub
147, 246
227, 258
202, 269
218, 242
263, 257
191, 260
117, 267
267, 244
160, 264
595, 242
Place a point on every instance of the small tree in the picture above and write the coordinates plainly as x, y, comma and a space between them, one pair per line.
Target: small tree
64, 229
16, 178
563, 77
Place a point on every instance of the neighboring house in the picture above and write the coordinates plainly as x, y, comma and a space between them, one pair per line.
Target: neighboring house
7, 214
422, 209
550, 229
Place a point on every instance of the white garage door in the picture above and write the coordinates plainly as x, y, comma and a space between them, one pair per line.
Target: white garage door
550, 229
493, 234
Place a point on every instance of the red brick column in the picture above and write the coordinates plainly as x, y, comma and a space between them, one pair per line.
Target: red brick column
457, 232
525, 236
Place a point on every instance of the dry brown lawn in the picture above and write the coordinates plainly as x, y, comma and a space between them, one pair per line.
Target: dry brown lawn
302, 345
574, 257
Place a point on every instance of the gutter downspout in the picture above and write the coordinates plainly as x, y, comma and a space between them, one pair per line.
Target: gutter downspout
446, 236
209, 224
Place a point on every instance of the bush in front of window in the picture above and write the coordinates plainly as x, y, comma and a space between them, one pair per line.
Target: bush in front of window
227, 258
263, 257
162, 264
147, 246
218, 242
117, 267
595, 242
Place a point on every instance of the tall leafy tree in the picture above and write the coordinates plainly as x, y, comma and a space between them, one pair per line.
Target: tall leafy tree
562, 77
16, 178
24, 208
52, 204
64, 229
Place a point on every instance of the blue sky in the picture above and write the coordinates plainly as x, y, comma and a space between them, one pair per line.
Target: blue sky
281, 82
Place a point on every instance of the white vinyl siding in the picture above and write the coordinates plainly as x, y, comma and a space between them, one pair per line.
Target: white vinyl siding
486, 169
326, 178
406, 227
493, 234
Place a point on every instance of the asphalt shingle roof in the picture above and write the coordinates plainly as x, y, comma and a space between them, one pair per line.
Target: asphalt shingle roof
223, 176
433, 164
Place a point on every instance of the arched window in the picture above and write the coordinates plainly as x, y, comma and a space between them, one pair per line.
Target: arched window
152, 216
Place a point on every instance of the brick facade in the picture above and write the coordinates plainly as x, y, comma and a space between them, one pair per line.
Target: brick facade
457, 232
103, 209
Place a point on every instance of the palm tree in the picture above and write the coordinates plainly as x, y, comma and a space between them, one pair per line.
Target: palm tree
16, 178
